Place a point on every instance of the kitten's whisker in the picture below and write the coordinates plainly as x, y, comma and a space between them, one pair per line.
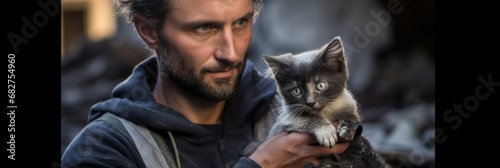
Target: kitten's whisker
331, 97
294, 111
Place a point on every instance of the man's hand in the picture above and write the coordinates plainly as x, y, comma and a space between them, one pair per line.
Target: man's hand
293, 150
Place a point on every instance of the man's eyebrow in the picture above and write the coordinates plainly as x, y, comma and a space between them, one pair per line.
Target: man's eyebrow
196, 23
248, 16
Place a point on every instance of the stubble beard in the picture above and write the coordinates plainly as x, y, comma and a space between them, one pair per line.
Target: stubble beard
179, 71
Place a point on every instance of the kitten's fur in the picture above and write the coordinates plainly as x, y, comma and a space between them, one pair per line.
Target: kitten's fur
313, 85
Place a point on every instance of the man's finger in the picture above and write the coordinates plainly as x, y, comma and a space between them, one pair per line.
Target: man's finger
340, 147
320, 151
302, 138
335, 123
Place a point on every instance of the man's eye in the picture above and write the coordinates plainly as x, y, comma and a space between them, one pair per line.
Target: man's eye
241, 23
203, 28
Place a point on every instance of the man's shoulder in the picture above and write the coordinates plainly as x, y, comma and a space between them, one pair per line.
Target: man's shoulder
255, 83
97, 140
101, 131
107, 125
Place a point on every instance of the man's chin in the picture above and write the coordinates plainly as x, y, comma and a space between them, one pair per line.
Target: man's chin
220, 89
219, 94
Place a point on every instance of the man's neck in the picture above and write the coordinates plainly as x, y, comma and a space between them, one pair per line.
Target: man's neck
196, 109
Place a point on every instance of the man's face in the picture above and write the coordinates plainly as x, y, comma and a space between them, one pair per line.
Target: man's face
204, 42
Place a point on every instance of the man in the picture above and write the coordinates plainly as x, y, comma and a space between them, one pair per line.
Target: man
197, 103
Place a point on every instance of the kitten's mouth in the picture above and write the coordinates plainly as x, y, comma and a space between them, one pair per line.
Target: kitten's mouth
312, 110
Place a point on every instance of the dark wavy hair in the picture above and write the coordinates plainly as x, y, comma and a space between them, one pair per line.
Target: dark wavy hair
155, 10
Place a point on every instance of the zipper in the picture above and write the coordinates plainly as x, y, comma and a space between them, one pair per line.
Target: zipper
223, 153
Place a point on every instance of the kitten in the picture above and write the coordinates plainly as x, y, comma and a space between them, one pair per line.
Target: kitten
313, 85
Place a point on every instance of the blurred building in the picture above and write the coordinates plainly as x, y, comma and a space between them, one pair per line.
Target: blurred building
98, 51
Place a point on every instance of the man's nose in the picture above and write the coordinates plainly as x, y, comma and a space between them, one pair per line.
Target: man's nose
226, 49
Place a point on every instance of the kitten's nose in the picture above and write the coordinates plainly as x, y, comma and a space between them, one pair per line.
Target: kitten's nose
311, 104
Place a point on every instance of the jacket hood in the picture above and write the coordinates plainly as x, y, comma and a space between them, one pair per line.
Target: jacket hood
132, 99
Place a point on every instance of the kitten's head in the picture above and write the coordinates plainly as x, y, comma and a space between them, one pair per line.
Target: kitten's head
310, 80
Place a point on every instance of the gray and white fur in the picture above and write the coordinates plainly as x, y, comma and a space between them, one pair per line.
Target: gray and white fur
313, 86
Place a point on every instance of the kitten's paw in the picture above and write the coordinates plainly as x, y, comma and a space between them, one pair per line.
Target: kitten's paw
326, 135
345, 131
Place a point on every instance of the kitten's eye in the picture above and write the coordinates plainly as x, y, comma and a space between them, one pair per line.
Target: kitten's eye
321, 86
296, 92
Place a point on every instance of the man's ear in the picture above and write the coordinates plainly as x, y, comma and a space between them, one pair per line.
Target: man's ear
147, 32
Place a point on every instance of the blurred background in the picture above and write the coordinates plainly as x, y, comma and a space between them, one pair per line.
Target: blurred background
389, 45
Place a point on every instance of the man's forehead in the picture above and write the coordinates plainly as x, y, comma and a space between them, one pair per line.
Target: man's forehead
210, 9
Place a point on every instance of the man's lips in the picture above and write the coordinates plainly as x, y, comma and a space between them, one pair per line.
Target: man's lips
222, 73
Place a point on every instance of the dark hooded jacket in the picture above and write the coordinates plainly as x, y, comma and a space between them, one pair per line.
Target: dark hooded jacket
100, 144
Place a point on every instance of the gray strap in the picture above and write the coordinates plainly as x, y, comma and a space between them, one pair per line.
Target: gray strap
148, 149
165, 150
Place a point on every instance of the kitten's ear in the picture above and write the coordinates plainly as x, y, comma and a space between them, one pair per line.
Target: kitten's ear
275, 63
333, 55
